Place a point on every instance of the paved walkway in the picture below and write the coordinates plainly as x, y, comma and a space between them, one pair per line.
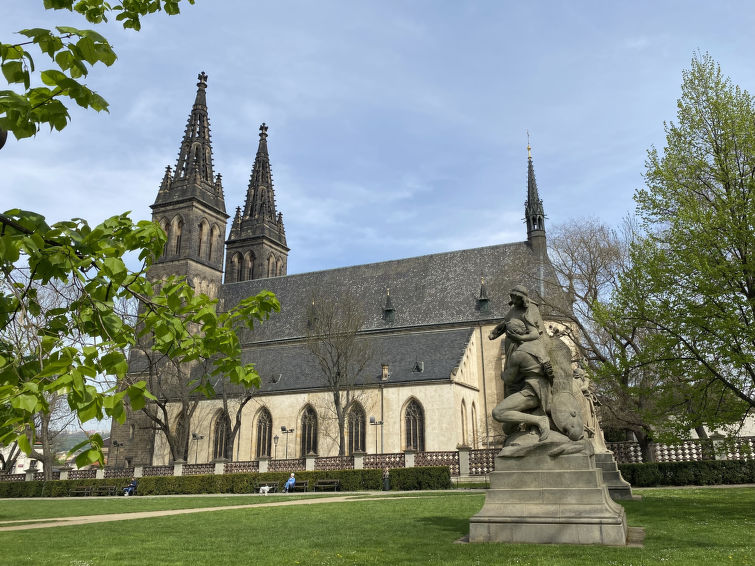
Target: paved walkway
26, 524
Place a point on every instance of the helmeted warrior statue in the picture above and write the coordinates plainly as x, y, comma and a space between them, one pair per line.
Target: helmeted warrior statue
539, 403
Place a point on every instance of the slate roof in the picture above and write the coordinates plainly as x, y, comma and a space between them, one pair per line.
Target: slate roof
290, 367
425, 291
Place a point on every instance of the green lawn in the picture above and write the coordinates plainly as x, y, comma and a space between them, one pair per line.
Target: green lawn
24, 509
684, 526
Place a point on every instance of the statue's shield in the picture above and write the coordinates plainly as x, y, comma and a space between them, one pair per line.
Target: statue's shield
567, 414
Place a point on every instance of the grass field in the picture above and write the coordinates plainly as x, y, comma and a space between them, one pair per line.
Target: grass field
705, 526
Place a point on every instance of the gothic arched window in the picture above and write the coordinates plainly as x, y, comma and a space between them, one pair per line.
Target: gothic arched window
222, 448
264, 433
166, 228
357, 422
308, 431
235, 274
202, 240
414, 423
270, 266
213, 242
248, 266
178, 226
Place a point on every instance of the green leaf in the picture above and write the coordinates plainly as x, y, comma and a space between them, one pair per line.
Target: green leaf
23, 443
89, 457
26, 402
14, 72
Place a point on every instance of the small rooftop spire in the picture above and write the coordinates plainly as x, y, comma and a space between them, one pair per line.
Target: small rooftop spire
483, 290
388, 310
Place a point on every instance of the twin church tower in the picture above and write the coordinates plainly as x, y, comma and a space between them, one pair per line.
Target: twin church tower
190, 207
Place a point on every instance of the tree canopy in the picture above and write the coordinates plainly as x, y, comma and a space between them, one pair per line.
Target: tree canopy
39, 95
692, 281
176, 322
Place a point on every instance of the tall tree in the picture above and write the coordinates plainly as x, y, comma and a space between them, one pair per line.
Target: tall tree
692, 282
342, 355
590, 259
178, 323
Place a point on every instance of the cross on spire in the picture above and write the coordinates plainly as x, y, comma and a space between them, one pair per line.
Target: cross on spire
529, 149
263, 130
202, 78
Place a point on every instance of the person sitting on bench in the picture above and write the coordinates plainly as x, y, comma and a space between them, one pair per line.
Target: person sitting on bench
130, 489
290, 483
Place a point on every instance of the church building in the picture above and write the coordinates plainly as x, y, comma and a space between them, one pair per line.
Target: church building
430, 377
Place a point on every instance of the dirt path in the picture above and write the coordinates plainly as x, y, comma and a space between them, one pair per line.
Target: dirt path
26, 524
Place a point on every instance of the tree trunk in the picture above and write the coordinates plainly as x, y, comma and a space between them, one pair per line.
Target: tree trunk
646, 445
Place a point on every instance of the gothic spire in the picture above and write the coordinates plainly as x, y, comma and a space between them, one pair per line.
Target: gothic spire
195, 154
260, 215
260, 196
193, 175
533, 207
258, 238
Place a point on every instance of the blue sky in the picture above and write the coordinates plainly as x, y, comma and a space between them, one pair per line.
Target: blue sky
396, 128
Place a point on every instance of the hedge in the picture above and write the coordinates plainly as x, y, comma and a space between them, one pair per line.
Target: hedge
429, 477
54, 488
706, 472
351, 480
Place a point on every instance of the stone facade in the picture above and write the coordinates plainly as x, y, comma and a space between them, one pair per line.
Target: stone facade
434, 376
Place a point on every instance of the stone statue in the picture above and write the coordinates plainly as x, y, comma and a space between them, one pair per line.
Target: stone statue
588, 400
537, 374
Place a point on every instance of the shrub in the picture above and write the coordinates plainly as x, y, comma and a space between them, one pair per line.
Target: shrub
706, 472
430, 477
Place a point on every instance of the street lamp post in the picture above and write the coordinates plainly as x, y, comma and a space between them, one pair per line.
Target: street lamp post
375, 422
196, 438
115, 444
286, 431
275, 442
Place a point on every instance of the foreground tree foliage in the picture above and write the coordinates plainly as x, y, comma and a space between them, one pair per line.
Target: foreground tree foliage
71, 53
691, 286
83, 346
664, 309
177, 323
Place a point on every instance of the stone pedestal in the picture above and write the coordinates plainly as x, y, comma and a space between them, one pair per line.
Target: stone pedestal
618, 487
540, 498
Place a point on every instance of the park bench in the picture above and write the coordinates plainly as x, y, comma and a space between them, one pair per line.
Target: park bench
80, 490
323, 485
271, 484
301, 485
105, 490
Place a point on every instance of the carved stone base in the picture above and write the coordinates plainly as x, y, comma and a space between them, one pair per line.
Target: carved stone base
618, 487
539, 498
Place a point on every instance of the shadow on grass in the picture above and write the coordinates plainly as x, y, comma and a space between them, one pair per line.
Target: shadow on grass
449, 524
